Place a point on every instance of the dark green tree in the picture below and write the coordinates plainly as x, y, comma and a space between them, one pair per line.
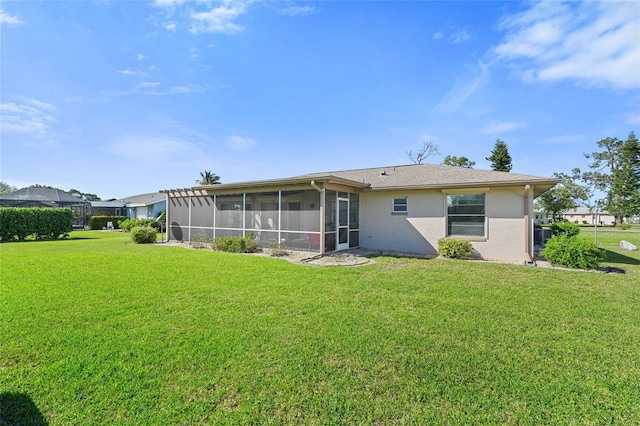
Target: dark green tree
500, 158
568, 194
208, 178
616, 172
5, 188
452, 160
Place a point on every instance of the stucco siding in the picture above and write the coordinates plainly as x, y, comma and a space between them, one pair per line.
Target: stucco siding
419, 230
506, 228
415, 232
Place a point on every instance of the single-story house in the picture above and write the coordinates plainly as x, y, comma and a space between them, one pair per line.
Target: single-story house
145, 206
397, 208
49, 197
586, 216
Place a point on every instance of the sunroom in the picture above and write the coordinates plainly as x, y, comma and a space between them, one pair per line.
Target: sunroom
319, 215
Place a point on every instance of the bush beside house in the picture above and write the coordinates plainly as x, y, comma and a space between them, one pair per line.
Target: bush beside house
573, 252
455, 248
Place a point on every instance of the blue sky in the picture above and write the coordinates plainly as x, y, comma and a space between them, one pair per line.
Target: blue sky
119, 98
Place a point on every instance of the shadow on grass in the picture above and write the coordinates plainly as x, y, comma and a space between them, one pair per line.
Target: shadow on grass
18, 409
613, 257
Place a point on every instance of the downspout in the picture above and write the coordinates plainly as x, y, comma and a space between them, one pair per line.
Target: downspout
321, 237
528, 224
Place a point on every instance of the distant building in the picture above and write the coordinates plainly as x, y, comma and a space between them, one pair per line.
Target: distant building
49, 197
586, 216
143, 206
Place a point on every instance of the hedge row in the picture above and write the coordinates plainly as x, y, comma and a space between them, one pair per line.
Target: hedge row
40, 223
128, 224
97, 223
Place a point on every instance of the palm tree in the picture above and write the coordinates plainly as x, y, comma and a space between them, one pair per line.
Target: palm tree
208, 178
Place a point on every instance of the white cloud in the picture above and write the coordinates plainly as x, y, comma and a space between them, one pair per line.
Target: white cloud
239, 143
299, 10
132, 72
460, 36
437, 35
464, 88
500, 127
31, 116
562, 139
597, 43
219, 19
141, 57
9, 19
193, 53
154, 148
632, 118
145, 84
168, 3
170, 26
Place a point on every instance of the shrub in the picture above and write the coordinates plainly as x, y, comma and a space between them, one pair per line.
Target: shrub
199, 240
572, 252
143, 234
128, 224
455, 248
565, 228
278, 250
41, 223
624, 226
97, 223
235, 244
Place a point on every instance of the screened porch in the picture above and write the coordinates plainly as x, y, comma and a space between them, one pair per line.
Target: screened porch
304, 219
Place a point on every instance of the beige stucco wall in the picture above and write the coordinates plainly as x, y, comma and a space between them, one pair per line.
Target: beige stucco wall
419, 230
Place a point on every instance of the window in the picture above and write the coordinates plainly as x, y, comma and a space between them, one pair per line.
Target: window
400, 205
465, 215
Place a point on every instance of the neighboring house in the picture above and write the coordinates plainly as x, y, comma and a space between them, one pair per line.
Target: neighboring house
586, 216
108, 208
145, 206
397, 208
49, 197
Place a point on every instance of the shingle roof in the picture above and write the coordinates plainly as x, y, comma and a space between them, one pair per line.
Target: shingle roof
45, 195
406, 177
431, 176
145, 199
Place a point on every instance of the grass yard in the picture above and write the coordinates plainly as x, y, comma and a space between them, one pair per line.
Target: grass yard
96, 330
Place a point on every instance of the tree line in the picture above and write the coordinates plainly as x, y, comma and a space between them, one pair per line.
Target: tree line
614, 171
500, 157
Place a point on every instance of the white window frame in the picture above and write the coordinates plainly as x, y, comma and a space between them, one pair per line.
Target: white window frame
405, 204
477, 191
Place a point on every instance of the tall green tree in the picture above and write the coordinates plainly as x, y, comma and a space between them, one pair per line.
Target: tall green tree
500, 158
5, 188
568, 194
208, 178
616, 172
452, 160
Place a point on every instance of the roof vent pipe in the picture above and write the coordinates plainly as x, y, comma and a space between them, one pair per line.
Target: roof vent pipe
383, 173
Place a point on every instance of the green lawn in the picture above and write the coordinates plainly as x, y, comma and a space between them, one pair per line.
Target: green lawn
96, 330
